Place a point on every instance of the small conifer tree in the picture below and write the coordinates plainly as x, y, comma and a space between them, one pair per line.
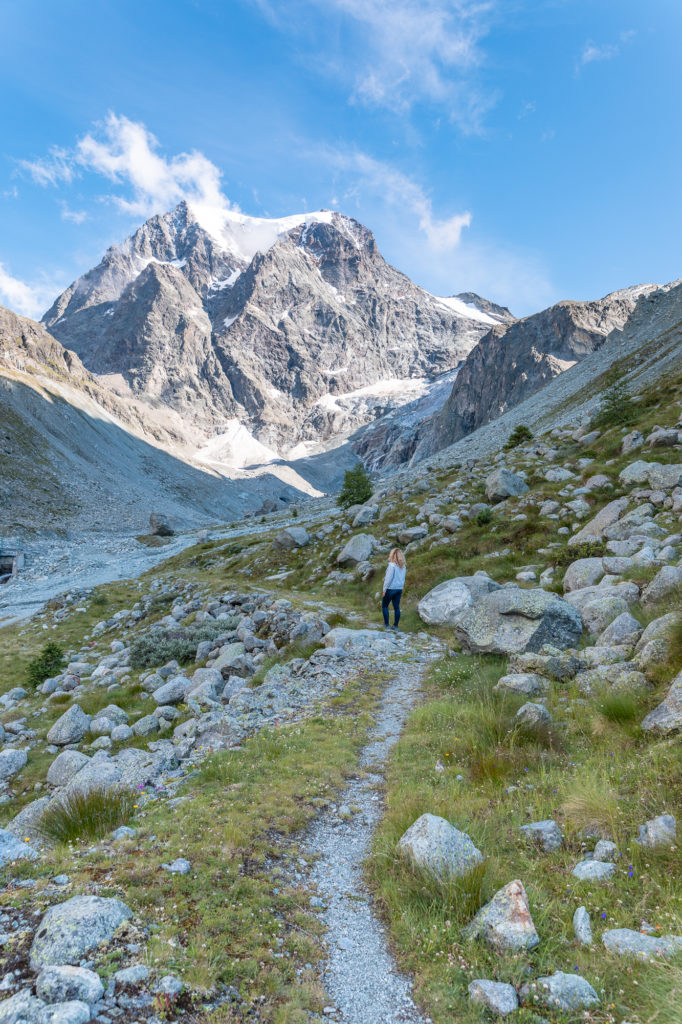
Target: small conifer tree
357, 487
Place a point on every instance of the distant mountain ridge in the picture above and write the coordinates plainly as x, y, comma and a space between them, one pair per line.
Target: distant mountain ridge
218, 332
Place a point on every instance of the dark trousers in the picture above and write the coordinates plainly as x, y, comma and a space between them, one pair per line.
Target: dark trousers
391, 597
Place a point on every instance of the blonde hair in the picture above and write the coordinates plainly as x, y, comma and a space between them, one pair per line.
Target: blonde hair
397, 557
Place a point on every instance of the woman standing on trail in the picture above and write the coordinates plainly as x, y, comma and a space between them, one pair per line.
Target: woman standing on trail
394, 581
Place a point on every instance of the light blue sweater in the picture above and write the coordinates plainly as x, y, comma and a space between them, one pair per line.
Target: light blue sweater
394, 578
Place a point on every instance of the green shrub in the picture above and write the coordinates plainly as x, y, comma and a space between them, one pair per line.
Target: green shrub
619, 706
616, 408
88, 815
294, 513
518, 436
484, 517
357, 487
48, 663
586, 549
158, 645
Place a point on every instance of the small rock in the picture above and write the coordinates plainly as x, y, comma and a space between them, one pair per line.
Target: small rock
565, 992
131, 975
60, 984
627, 942
546, 833
434, 845
505, 922
495, 995
179, 866
582, 927
69, 930
593, 871
661, 831
170, 986
70, 728
605, 851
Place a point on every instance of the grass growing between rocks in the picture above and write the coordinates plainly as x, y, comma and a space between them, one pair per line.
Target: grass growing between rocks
604, 777
88, 815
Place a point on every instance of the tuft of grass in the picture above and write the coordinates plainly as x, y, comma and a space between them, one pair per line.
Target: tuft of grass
619, 706
88, 815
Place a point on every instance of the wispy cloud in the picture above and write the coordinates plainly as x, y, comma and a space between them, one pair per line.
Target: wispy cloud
73, 216
604, 51
126, 153
403, 51
398, 190
27, 299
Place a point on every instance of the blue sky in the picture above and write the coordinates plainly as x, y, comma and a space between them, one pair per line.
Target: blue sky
526, 149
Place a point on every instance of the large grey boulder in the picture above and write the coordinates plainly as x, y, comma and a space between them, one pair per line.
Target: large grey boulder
594, 530
666, 581
74, 1011
584, 572
432, 844
533, 716
502, 483
666, 719
291, 537
564, 992
505, 922
499, 997
358, 549
159, 525
661, 831
627, 942
601, 610
623, 630
442, 604
173, 691
12, 761
70, 728
547, 834
59, 984
26, 823
373, 642
365, 515
70, 929
22, 1008
664, 478
14, 848
411, 533
512, 620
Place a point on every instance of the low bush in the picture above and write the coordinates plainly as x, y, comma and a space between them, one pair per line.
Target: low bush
518, 435
484, 517
157, 645
47, 663
619, 706
586, 549
617, 408
88, 815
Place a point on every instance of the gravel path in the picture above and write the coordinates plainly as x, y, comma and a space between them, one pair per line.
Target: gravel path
360, 976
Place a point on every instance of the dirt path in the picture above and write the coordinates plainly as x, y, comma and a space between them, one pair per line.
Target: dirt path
360, 976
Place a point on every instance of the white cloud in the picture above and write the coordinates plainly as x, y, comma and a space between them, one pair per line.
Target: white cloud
57, 167
403, 51
397, 190
27, 299
74, 216
605, 51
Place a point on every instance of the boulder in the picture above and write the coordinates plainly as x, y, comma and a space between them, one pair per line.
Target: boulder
512, 620
600, 611
661, 831
12, 760
159, 525
358, 549
59, 984
502, 483
496, 996
233, 660
582, 927
70, 728
361, 641
22, 1008
664, 478
291, 537
530, 684
584, 572
631, 441
365, 515
624, 630
131, 975
605, 851
440, 606
26, 823
666, 581
593, 871
433, 845
412, 533
70, 929
145, 726
547, 834
594, 530
666, 719
13, 848
533, 716
74, 1011
565, 992
505, 922
627, 942
173, 691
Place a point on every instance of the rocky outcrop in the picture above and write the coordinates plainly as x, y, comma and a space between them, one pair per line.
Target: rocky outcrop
513, 361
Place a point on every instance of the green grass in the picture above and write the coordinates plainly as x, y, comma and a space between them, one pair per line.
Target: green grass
89, 815
603, 777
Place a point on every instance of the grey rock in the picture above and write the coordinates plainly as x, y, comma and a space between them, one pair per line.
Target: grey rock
121, 733
123, 832
593, 871
291, 537
441, 605
584, 572
666, 581
600, 611
173, 691
512, 620
502, 483
145, 726
71, 929
432, 844
159, 525
72, 1012
25, 823
631, 441
505, 923
594, 530
547, 834
180, 866
22, 1007
358, 549
666, 719
365, 515
582, 927
660, 831
566, 992
14, 848
11, 762
664, 478
605, 851
624, 629
528, 683
533, 716
70, 728
170, 985
627, 942
59, 984
131, 975
412, 533
497, 996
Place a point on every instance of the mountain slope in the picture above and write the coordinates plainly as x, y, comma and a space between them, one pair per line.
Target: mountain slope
260, 325
514, 361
